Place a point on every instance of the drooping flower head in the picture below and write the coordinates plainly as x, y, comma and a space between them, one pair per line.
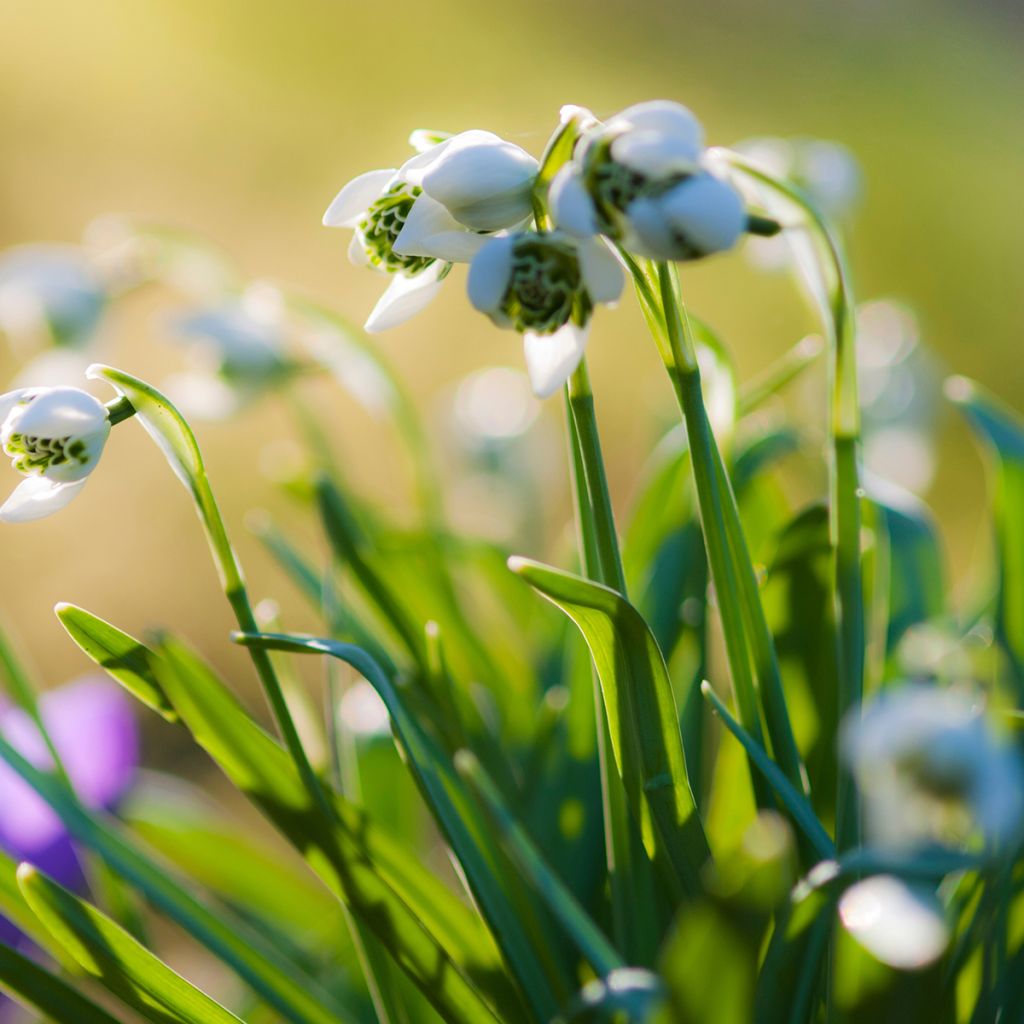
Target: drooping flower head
932, 769
413, 222
545, 285
641, 180
54, 437
49, 294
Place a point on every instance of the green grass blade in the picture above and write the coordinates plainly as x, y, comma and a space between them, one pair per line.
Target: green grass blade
1002, 431
503, 900
295, 995
642, 716
120, 655
436, 939
587, 937
107, 952
37, 988
793, 801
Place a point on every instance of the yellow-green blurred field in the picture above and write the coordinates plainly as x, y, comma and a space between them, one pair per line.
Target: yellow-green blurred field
240, 120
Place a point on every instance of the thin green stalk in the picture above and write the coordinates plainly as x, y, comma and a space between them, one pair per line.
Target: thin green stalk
845, 487
632, 910
680, 360
581, 408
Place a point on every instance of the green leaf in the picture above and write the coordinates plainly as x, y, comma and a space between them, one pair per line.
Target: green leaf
641, 713
107, 952
585, 935
121, 655
797, 599
794, 802
278, 982
503, 900
1002, 430
435, 938
36, 987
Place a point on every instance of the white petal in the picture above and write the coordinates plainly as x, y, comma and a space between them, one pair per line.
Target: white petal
415, 167
10, 400
707, 212
426, 219
661, 116
357, 252
204, 396
404, 298
356, 197
51, 368
490, 274
36, 497
650, 234
552, 358
63, 412
425, 139
656, 154
901, 926
484, 181
570, 203
602, 272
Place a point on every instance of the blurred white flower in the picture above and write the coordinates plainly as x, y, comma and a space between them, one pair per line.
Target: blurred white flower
641, 179
545, 285
900, 925
49, 294
362, 712
493, 406
930, 768
237, 347
436, 209
899, 391
826, 171
54, 437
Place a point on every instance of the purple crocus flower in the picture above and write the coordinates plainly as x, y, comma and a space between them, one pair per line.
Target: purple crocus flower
91, 724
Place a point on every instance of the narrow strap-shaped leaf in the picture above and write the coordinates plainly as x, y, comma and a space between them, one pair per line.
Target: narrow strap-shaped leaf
107, 952
292, 992
641, 713
1003, 432
434, 937
794, 802
505, 903
121, 655
587, 937
39, 989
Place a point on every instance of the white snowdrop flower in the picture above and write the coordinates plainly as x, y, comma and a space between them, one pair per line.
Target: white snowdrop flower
238, 349
545, 285
414, 221
49, 294
642, 180
931, 769
54, 437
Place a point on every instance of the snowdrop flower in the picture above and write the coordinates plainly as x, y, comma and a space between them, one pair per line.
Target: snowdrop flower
54, 436
238, 346
827, 171
545, 285
413, 222
641, 180
931, 769
91, 724
49, 294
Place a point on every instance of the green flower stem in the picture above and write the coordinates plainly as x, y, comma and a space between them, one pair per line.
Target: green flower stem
238, 597
581, 409
680, 360
119, 410
633, 916
845, 487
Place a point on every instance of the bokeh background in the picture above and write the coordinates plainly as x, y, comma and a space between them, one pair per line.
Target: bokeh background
240, 119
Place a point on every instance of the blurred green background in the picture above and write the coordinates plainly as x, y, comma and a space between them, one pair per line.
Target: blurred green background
240, 119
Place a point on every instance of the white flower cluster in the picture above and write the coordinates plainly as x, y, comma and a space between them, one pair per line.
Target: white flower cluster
639, 181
